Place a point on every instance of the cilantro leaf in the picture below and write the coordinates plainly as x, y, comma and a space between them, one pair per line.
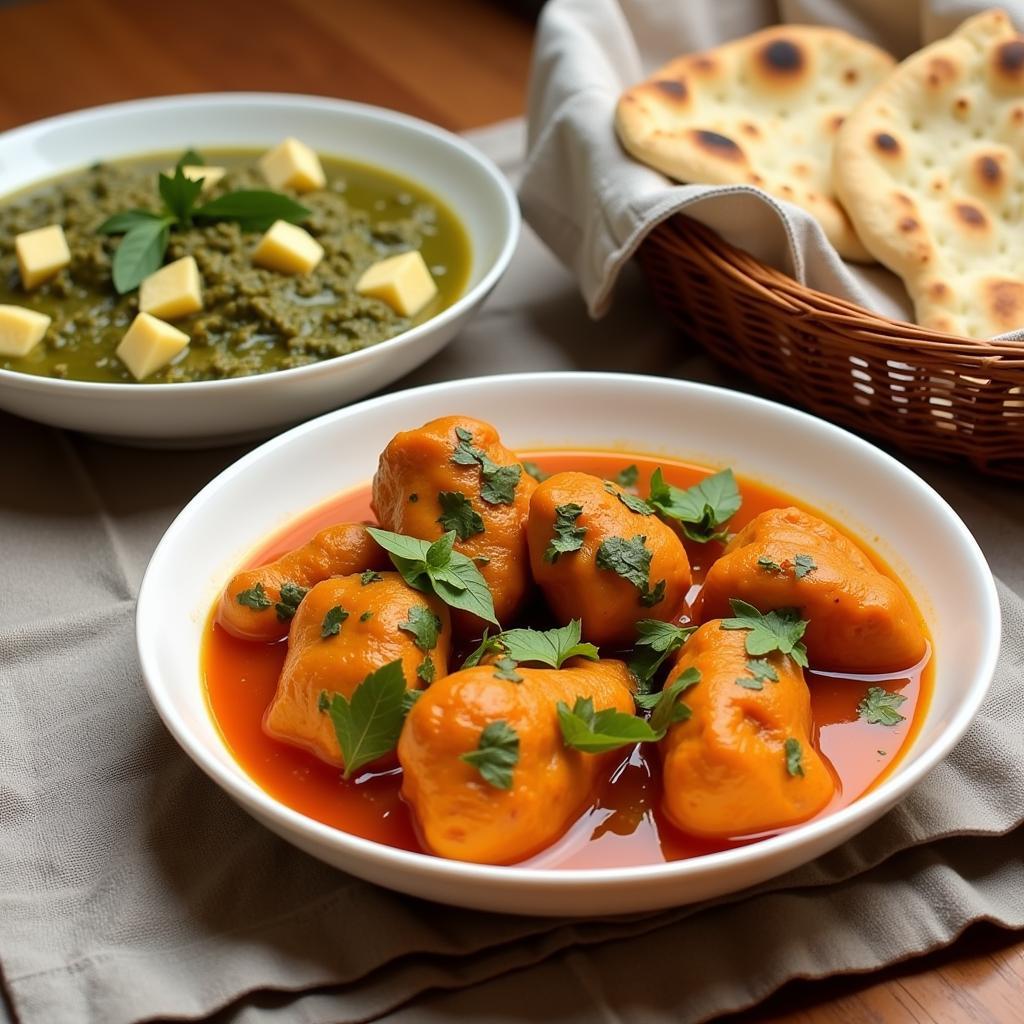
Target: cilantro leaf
532, 469
670, 709
332, 621
631, 501
803, 565
505, 668
627, 477
499, 484
794, 757
179, 194
466, 454
549, 646
655, 641
496, 754
766, 564
568, 537
458, 514
427, 671
631, 559
438, 568
597, 732
370, 576
700, 509
408, 699
652, 596
777, 630
760, 670
368, 724
424, 626
291, 596
488, 645
366, 616
879, 707
255, 598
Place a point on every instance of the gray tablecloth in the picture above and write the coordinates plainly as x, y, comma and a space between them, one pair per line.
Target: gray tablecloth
132, 889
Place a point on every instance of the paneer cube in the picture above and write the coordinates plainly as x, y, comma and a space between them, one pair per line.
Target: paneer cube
292, 164
402, 281
209, 176
21, 330
41, 253
288, 249
172, 291
150, 344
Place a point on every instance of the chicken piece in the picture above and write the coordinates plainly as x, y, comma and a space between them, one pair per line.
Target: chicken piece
251, 606
462, 816
454, 473
744, 761
385, 621
859, 620
598, 560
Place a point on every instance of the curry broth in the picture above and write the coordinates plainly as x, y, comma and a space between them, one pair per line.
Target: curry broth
624, 825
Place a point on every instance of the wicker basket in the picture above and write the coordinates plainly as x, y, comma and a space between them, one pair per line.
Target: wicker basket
927, 393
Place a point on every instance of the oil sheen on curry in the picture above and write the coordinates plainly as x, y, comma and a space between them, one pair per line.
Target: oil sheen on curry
563, 659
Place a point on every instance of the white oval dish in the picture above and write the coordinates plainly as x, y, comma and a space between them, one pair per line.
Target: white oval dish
205, 413
879, 499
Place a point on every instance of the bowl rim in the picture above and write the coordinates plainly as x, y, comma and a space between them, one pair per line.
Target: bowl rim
23, 134
855, 816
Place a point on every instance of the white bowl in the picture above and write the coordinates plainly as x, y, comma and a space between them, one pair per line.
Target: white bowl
829, 468
220, 412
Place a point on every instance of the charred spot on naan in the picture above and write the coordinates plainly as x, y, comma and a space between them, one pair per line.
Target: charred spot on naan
942, 73
1003, 300
718, 145
971, 218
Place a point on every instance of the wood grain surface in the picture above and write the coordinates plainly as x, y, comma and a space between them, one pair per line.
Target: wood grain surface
461, 64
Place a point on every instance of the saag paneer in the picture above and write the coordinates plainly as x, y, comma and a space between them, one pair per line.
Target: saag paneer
254, 319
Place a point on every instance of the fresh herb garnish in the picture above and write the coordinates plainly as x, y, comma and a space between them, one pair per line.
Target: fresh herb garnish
458, 514
669, 709
147, 233
766, 564
595, 732
794, 757
190, 158
496, 754
438, 569
631, 559
631, 501
505, 668
255, 598
568, 537
427, 670
370, 576
331, 625
368, 724
488, 645
627, 477
424, 626
291, 596
366, 616
760, 670
532, 469
655, 641
408, 699
778, 630
497, 483
803, 565
879, 707
547, 646
700, 509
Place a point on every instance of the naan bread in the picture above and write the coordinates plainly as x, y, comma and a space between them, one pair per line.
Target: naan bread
763, 110
929, 168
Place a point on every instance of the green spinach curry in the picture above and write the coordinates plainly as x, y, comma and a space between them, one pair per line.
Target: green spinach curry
254, 319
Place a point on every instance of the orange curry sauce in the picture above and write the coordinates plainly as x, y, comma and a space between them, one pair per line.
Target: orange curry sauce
624, 826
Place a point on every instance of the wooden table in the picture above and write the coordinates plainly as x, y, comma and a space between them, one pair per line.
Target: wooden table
461, 64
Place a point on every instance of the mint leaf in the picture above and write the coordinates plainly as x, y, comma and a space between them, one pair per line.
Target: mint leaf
505, 668
778, 630
458, 514
179, 194
368, 725
670, 709
291, 595
488, 645
496, 754
331, 625
119, 223
655, 641
879, 707
140, 253
597, 732
803, 565
255, 598
568, 537
438, 568
254, 210
627, 477
532, 469
549, 646
794, 757
424, 626
700, 509
631, 501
